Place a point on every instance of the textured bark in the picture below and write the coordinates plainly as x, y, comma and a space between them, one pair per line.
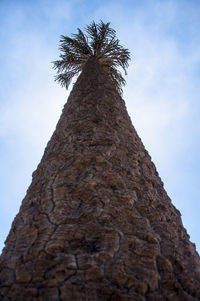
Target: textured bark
96, 223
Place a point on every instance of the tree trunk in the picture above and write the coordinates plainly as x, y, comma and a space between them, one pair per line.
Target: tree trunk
96, 223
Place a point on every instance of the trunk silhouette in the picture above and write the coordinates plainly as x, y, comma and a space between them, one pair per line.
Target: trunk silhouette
96, 223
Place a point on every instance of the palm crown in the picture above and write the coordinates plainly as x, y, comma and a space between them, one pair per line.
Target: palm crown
100, 42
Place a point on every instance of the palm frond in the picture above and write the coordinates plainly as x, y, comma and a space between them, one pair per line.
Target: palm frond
100, 41
64, 79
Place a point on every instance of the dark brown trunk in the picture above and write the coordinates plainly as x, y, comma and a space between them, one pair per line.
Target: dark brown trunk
96, 223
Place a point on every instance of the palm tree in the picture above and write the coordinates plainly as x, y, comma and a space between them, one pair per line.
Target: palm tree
100, 42
96, 223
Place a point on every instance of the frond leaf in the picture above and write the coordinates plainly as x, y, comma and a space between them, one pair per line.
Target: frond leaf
99, 41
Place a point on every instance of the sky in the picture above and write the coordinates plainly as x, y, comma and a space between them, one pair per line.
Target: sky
162, 91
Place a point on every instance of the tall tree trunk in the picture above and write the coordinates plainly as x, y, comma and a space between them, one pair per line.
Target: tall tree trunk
96, 223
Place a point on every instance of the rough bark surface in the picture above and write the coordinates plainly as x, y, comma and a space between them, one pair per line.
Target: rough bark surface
96, 223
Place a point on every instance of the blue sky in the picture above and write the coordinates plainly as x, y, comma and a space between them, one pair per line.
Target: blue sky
162, 91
